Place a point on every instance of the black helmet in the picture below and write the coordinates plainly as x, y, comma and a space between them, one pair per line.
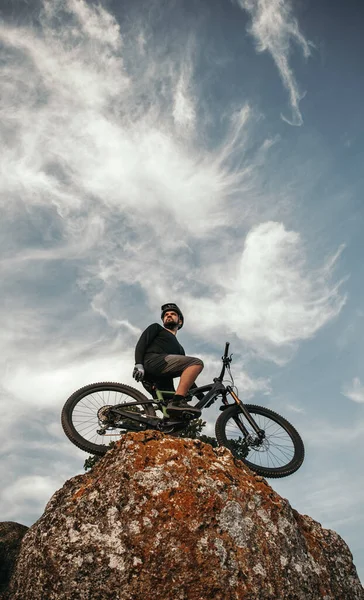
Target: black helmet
166, 307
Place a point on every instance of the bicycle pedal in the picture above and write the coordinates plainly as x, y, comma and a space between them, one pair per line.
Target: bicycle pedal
188, 416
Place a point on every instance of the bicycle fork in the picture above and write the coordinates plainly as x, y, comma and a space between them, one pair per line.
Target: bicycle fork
260, 433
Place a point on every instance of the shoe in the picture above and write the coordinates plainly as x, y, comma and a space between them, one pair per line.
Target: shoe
178, 407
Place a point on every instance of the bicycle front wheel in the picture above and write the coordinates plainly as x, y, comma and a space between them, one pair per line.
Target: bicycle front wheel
280, 453
84, 415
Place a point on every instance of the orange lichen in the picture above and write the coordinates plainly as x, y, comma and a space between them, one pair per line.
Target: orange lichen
161, 516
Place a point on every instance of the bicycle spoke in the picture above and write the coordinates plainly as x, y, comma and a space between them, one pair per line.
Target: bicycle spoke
85, 415
275, 450
87, 429
94, 402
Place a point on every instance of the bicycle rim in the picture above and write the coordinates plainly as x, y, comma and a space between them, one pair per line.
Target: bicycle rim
82, 411
280, 453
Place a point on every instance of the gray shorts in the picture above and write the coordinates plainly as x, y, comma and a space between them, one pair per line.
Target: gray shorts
169, 364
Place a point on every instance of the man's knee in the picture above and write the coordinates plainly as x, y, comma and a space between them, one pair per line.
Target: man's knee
199, 362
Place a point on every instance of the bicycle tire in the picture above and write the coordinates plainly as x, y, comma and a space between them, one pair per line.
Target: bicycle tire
259, 413
96, 391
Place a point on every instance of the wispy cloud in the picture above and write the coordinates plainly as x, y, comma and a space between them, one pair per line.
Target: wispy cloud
329, 486
21, 496
267, 297
184, 110
275, 29
113, 204
354, 391
335, 498
99, 174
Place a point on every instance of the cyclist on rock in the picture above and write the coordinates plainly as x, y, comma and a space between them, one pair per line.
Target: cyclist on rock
160, 357
264, 440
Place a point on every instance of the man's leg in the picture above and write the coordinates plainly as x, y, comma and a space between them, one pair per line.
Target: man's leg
190, 370
188, 377
176, 365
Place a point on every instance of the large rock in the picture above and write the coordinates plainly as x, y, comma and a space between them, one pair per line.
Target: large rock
168, 518
11, 535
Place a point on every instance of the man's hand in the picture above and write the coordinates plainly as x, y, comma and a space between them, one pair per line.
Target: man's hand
138, 372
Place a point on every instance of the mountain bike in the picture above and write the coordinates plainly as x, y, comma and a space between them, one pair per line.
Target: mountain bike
102, 412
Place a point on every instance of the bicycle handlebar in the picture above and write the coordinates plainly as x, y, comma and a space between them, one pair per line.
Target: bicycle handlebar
227, 344
226, 351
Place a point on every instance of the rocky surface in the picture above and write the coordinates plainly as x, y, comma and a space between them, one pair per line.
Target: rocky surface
11, 535
161, 517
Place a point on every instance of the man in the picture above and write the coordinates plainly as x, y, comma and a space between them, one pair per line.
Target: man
160, 357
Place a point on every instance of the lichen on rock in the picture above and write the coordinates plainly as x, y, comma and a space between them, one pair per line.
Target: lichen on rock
11, 535
163, 517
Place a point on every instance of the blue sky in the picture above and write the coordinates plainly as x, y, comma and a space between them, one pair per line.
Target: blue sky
208, 154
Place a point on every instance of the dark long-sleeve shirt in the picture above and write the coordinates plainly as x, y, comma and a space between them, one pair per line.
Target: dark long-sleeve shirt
156, 340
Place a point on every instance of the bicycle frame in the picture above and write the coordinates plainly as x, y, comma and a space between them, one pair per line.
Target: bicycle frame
212, 391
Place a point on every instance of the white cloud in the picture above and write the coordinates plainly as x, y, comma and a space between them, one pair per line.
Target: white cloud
267, 297
27, 496
114, 196
329, 485
96, 22
247, 386
354, 391
112, 203
45, 383
274, 28
184, 113
334, 498
295, 409
322, 434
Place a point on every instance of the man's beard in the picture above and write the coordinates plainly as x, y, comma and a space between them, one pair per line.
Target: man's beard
169, 324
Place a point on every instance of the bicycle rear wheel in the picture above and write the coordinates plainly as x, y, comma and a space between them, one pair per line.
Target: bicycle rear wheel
84, 414
279, 454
